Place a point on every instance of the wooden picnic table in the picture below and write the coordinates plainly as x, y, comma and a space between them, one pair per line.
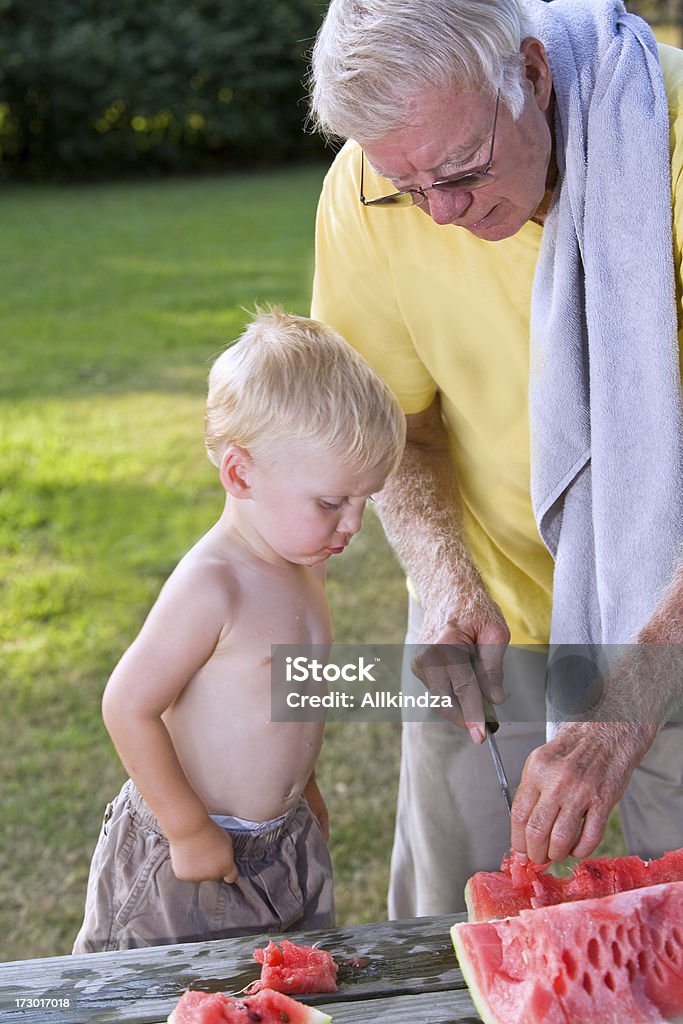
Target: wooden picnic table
403, 972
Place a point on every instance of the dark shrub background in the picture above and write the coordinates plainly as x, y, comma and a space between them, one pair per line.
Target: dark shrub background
91, 88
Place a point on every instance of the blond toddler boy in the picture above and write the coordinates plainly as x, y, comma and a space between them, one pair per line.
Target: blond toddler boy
221, 829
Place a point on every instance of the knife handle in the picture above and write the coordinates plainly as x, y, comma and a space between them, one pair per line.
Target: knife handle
490, 717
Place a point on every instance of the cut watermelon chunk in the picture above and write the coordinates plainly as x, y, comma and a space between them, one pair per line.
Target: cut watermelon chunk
522, 886
292, 968
266, 1006
613, 960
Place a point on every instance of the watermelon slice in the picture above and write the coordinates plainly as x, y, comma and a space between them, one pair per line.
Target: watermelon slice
613, 960
522, 886
292, 968
267, 1006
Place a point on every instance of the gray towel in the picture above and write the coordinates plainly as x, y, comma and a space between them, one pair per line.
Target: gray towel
605, 393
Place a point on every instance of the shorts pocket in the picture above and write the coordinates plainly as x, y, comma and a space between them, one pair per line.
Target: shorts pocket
137, 877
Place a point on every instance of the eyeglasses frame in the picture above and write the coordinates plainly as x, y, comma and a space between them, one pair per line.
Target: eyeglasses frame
472, 180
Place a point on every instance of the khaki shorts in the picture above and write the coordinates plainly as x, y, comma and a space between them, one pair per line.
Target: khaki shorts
134, 899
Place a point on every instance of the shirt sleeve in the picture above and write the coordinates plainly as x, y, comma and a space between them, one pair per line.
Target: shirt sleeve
353, 289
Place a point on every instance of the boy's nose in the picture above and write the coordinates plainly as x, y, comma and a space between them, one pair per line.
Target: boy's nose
350, 523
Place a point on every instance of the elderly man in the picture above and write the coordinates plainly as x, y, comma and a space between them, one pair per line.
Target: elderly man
541, 494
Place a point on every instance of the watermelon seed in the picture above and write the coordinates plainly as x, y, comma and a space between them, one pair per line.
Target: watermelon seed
609, 981
631, 968
620, 933
616, 954
676, 936
604, 933
587, 983
570, 963
253, 1015
670, 951
642, 961
560, 985
284, 1017
633, 938
594, 952
657, 968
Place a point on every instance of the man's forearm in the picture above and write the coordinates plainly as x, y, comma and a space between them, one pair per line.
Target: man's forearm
645, 685
420, 511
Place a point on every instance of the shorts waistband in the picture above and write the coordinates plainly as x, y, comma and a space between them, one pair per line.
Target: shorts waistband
246, 842
231, 823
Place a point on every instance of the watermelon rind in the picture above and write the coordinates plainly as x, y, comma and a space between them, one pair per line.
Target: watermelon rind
469, 974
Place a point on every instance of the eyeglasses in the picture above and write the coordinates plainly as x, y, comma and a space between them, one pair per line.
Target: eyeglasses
416, 195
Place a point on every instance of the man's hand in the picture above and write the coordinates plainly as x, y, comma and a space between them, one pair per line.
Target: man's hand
463, 660
570, 785
205, 855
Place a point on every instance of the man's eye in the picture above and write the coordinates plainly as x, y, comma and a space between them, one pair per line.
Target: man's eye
330, 505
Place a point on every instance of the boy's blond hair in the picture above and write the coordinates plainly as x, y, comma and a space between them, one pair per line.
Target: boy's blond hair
291, 378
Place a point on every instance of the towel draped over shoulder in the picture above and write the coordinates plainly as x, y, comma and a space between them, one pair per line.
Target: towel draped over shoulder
605, 391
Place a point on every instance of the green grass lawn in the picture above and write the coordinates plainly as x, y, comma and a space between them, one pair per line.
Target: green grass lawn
113, 301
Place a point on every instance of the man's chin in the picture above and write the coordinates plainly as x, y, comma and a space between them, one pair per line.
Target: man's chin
497, 232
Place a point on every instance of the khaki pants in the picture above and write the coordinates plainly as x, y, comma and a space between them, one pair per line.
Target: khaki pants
134, 899
451, 819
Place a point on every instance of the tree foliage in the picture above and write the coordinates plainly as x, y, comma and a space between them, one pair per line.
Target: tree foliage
88, 87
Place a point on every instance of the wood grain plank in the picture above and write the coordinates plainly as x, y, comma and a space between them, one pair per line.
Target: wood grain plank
429, 1008
389, 959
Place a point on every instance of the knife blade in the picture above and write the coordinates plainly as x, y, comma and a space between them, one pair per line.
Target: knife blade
498, 764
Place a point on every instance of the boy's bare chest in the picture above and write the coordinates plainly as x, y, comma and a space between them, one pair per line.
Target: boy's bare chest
293, 609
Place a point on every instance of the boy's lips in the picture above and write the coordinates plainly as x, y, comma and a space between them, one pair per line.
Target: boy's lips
336, 551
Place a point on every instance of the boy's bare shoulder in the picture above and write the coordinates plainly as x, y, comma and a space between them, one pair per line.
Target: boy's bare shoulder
204, 587
209, 567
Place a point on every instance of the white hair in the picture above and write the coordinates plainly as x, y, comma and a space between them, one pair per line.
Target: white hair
373, 57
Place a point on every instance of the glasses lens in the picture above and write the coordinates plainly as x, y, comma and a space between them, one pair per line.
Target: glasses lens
411, 198
468, 182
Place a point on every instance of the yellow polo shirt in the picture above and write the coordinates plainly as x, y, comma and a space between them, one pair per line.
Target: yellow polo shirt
435, 309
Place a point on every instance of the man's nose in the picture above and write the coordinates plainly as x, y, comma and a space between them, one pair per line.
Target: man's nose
447, 205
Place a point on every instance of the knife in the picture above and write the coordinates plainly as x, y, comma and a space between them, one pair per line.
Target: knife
491, 728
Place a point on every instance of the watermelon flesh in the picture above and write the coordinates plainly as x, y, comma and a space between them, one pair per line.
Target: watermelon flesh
612, 960
522, 885
292, 968
266, 1007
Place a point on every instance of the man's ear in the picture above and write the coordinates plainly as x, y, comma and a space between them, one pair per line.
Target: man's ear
537, 70
236, 471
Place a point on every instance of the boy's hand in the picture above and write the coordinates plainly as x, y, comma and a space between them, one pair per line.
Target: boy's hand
203, 856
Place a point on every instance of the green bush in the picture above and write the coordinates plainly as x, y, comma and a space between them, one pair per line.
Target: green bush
89, 87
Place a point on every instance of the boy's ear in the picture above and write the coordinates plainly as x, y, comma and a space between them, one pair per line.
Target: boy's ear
236, 470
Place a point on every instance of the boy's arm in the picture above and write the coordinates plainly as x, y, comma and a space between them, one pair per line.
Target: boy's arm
179, 635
